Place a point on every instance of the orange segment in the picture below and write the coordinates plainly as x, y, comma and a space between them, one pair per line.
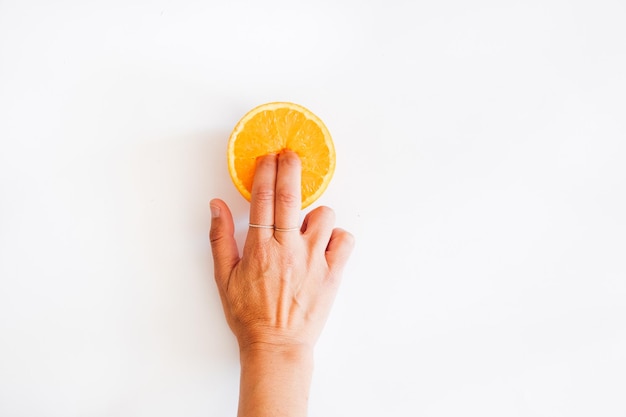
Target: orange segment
272, 128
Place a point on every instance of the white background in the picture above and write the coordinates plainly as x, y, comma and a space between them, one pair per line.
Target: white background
481, 154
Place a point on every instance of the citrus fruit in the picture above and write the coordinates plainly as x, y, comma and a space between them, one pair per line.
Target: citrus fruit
272, 128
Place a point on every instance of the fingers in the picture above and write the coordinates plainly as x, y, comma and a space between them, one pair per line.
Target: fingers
288, 201
223, 245
276, 196
318, 227
339, 250
263, 192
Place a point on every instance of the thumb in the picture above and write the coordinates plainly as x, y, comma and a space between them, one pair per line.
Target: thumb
223, 245
338, 250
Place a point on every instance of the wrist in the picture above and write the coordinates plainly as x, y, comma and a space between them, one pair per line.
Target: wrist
275, 380
276, 354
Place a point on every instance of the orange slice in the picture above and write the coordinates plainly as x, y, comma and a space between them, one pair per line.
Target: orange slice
272, 128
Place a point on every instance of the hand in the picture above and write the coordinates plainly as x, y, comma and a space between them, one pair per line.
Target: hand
277, 296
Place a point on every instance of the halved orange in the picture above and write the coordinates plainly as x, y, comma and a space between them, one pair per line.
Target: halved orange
273, 127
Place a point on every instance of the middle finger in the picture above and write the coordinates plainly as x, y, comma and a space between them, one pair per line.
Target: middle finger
288, 192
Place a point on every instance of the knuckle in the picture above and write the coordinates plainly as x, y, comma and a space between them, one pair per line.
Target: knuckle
347, 239
326, 212
287, 198
258, 257
214, 235
265, 195
263, 260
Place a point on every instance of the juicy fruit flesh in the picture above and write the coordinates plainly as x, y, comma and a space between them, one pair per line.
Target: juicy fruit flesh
275, 130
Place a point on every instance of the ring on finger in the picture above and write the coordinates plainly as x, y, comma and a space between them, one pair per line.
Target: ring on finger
286, 229
261, 226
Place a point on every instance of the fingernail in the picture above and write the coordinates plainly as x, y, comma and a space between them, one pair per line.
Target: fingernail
215, 211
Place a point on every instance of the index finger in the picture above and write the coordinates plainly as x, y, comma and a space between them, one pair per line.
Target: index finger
262, 200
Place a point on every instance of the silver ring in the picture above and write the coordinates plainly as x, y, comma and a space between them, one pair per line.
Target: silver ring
261, 226
286, 229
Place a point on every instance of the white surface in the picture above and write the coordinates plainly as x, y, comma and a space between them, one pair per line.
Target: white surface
481, 150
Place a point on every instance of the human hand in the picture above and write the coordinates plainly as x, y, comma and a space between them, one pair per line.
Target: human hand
278, 294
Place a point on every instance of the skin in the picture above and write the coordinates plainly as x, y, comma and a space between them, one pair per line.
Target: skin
278, 294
